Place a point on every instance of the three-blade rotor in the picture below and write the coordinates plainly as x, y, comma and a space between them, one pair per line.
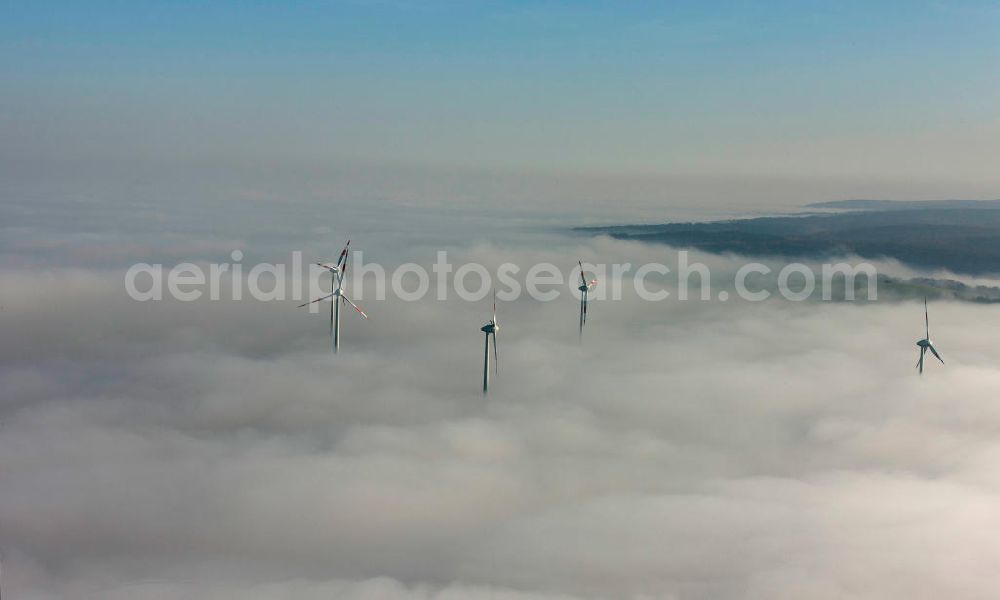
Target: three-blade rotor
926, 344
338, 270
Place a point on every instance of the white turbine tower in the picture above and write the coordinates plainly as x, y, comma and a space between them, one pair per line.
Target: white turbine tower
490, 328
585, 287
337, 284
926, 344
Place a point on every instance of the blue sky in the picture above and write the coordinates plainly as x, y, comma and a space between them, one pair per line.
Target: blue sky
828, 88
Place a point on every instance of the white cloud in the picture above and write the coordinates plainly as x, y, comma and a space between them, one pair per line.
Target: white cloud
684, 450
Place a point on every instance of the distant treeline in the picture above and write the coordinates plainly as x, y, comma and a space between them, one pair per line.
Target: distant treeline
960, 239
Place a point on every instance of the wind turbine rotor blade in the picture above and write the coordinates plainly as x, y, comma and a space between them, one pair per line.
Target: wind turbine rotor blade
496, 355
927, 322
356, 307
314, 301
936, 355
583, 278
340, 273
343, 254
494, 309
920, 362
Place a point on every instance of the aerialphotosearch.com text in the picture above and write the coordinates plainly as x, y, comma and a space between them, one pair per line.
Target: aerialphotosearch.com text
471, 281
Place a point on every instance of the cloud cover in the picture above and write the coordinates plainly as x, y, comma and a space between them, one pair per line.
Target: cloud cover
683, 450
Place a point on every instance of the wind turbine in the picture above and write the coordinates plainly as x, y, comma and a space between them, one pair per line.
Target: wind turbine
337, 271
926, 344
490, 328
585, 287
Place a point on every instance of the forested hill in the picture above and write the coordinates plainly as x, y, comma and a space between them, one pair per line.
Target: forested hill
961, 239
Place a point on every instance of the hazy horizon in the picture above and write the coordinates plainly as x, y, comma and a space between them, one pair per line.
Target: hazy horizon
866, 92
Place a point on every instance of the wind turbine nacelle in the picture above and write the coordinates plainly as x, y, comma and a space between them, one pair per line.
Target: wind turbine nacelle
924, 343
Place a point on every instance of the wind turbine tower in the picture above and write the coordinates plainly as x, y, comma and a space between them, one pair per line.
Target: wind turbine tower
490, 328
585, 287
